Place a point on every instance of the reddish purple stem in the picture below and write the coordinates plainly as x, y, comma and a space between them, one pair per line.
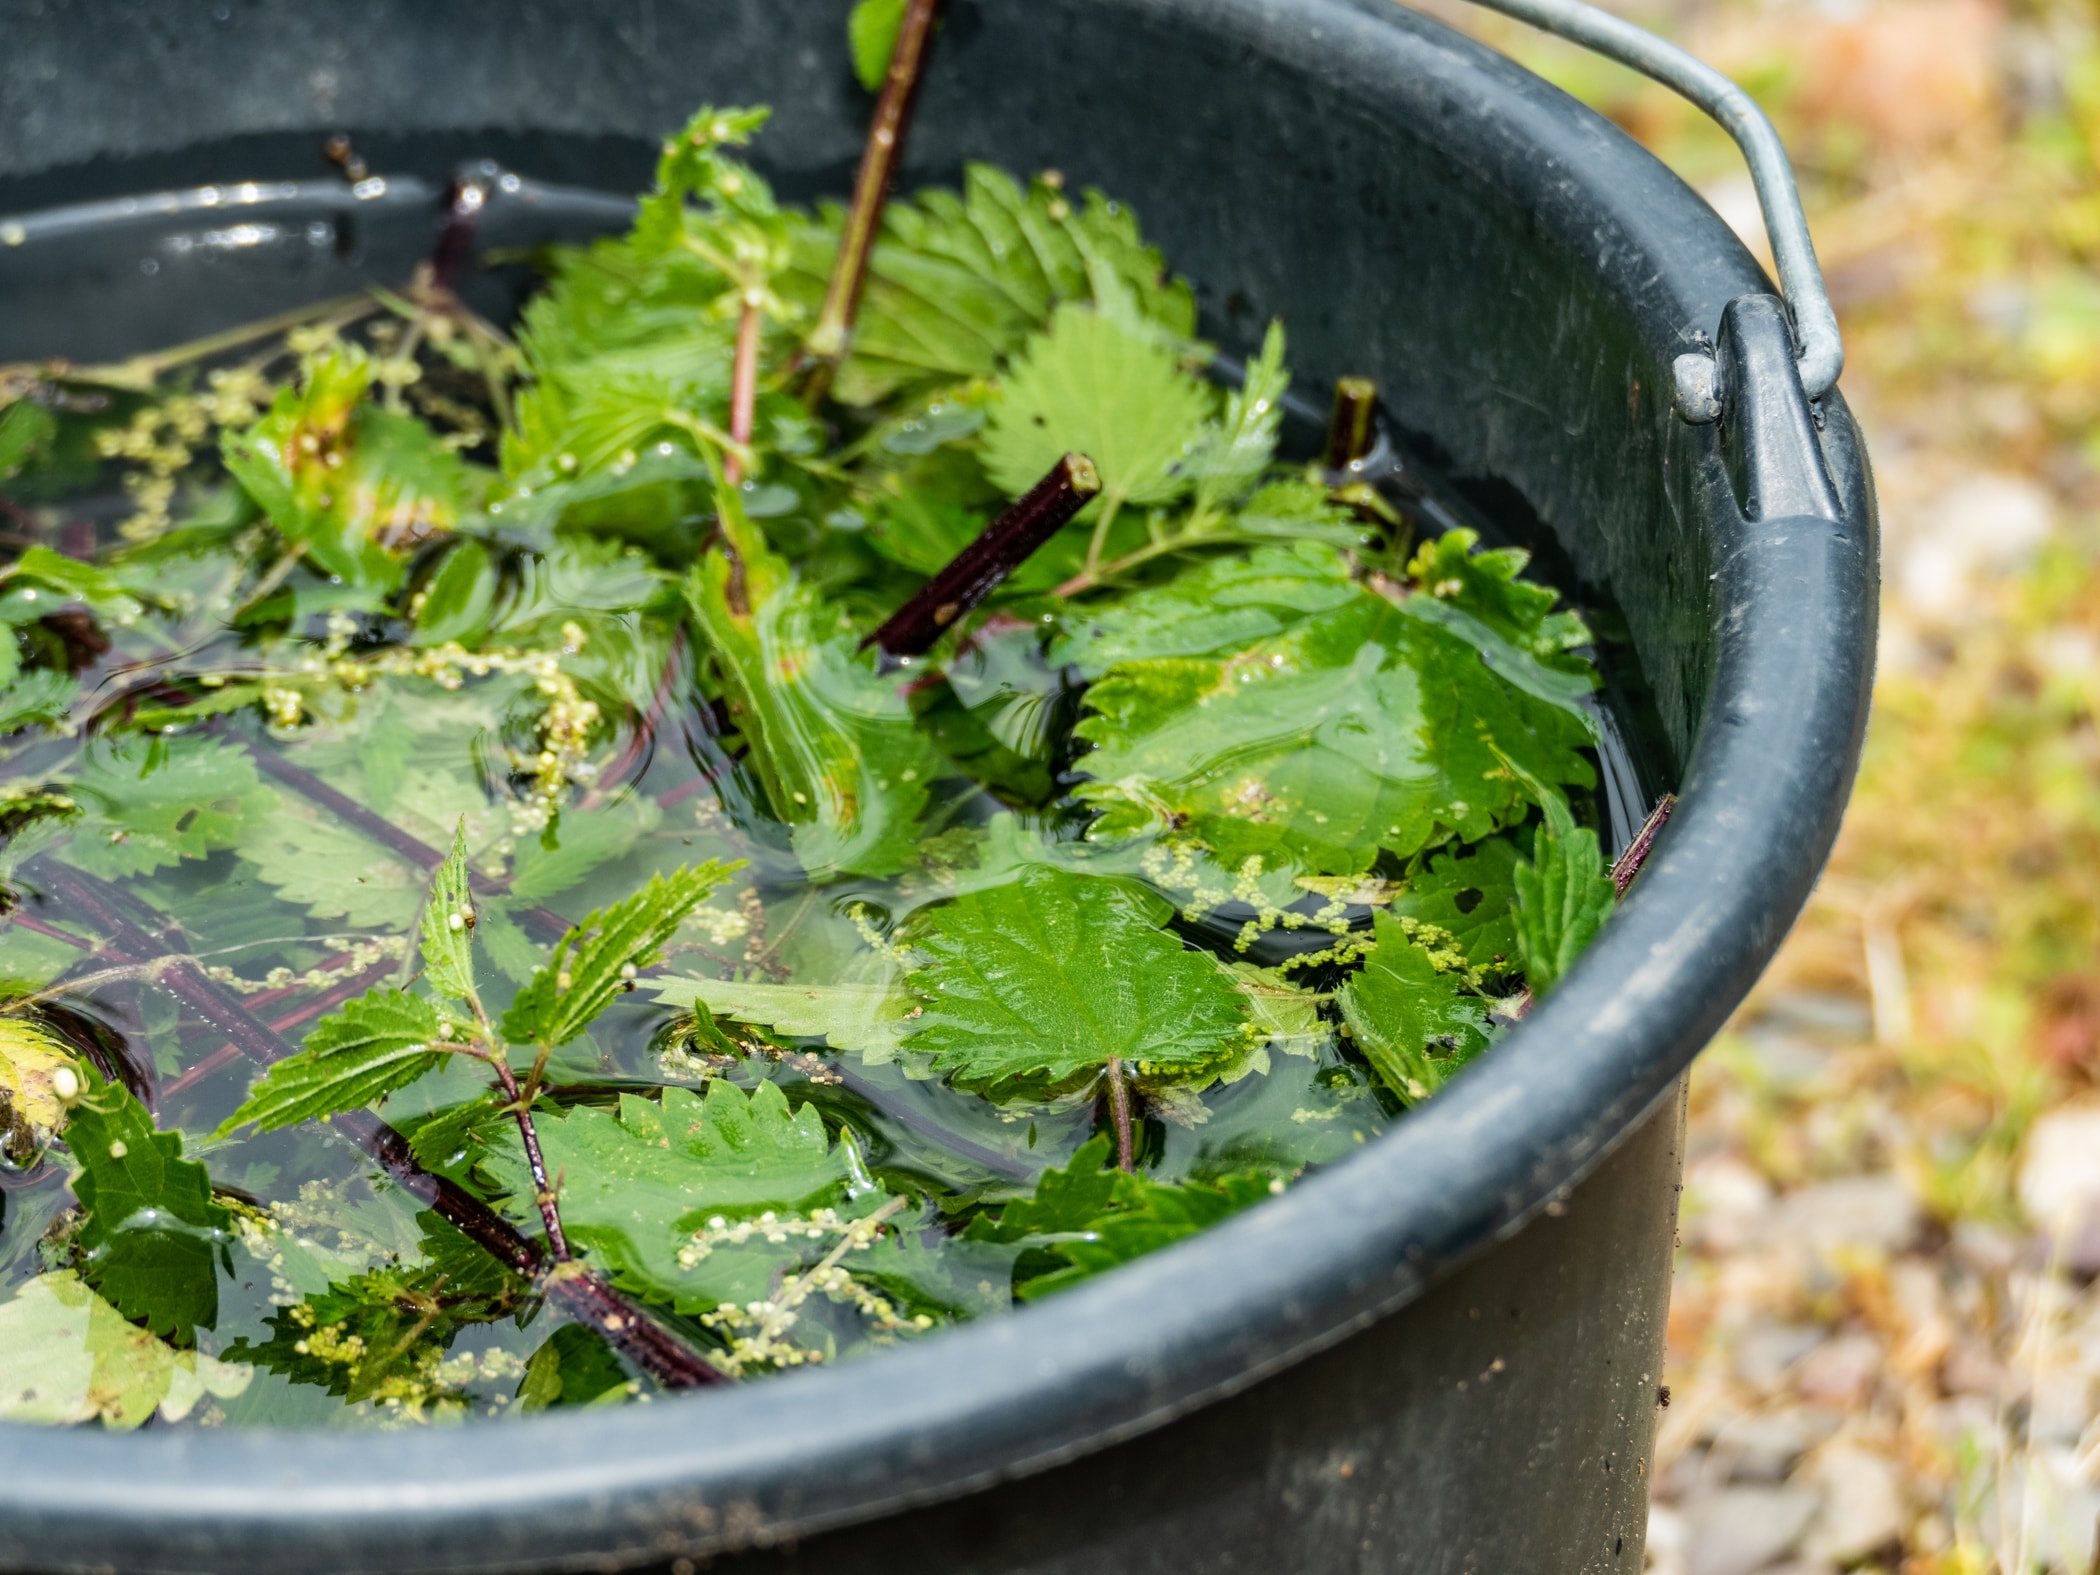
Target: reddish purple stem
1000, 548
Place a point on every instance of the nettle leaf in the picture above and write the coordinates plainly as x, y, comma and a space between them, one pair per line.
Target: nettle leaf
1094, 386
382, 1335
154, 802
448, 925
599, 958
68, 1357
958, 281
868, 1017
1470, 892
41, 568
1486, 584
153, 1236
31, 1109
1231, 456
379, 1042
1362, 726
872, 31
637, 1183
26, 431
573, 1367
581, 843
832, 740
336, 872
1096, 1218
1411, 1012
1045, 980
1564, 895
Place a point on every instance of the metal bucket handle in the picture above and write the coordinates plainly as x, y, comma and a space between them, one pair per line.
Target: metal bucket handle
1821, 352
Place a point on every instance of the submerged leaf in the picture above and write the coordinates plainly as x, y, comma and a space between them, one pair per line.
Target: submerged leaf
1411, 1013
866, 1017
1470, 893
153, 1235
154, 802
1047, 979
67, 1357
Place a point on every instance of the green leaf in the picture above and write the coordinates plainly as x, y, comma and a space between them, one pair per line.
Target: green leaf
1469, 891
958, 281
1231, 455
640, 1181
1047, 979
832, 740
1564, 895
31, 1109
1093, 386
1356, 726
26, 431
1410, 1011
582, 842
152, 1236
872, 31
382, 1335
1486, 585
352, 484
378, 1042
573, 1367
154, 802
448, 925
866, 1017
68, 1357
73, 580
599, 958
1095, 1218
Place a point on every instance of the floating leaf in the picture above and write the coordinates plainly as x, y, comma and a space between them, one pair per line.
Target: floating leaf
1470, 892
1048, 978
152, 1236
381, 1041
1356, 727
67, 1357
1410, 1011
598, 959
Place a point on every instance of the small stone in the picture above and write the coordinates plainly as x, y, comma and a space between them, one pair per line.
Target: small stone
2060, 1169
1862, 1503
1740, 1530
1878, 1213
1841, 1372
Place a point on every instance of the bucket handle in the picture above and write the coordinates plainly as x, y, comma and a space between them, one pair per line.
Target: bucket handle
1822, 352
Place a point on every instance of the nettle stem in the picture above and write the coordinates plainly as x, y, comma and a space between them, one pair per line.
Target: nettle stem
543, 1192
1119, 1114
828, 340
1351, 429
1628, 864
743, 387
1000, 548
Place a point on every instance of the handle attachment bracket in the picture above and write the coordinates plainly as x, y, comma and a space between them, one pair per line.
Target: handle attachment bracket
1821, 351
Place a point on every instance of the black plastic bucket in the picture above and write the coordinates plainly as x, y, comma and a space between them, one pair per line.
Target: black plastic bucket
1440, 1356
